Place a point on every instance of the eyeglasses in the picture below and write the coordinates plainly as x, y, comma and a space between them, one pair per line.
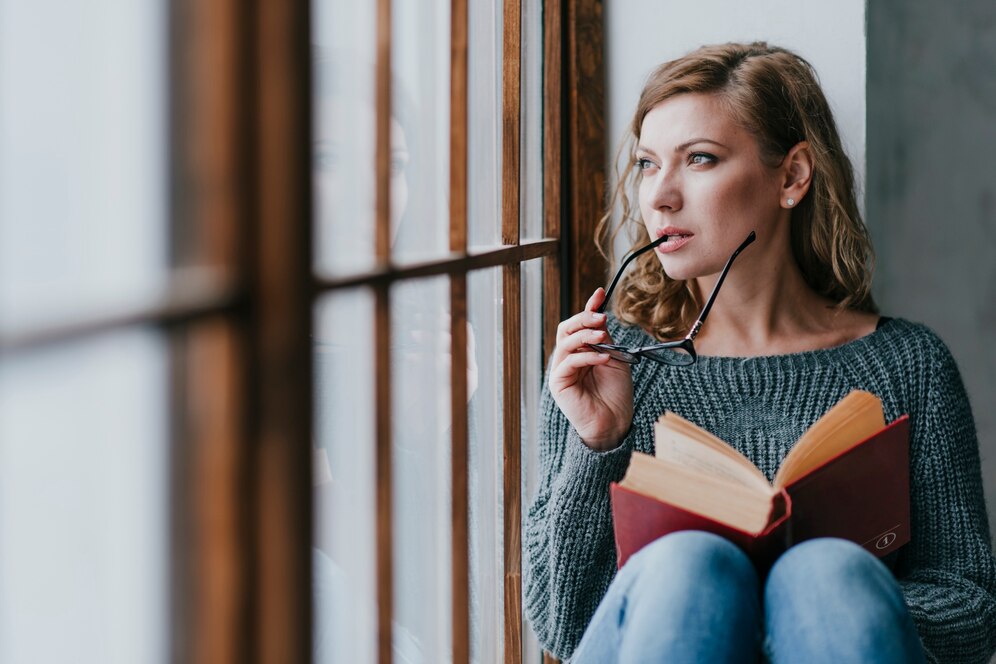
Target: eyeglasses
677, 353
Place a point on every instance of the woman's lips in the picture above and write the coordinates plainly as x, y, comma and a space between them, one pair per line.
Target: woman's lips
677, 238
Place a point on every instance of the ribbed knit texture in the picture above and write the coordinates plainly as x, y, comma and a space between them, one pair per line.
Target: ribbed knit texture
761, 406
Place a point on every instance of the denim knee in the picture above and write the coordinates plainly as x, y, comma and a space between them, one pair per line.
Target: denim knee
692, 597
692, 554
835, 601
830, 564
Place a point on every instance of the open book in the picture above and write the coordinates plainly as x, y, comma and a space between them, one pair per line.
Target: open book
847, 476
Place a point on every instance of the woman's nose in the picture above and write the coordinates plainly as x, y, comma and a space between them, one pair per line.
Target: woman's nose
665, 191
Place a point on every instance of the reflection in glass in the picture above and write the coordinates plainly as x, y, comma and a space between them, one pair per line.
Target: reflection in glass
531, 159
420, 62
344, 557
82, 157
343, 133
84, 521
487, 567
532, 378
421, 447
484, 136
345, 516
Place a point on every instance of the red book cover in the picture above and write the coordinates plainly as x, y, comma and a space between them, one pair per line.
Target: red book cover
638, 520
861, 495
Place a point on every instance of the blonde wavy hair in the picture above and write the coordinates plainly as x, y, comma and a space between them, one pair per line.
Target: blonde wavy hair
774, 94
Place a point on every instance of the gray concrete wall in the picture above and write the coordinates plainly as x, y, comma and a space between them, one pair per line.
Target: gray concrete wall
931, 183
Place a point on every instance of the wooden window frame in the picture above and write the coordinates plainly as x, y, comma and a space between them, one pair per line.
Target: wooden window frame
240, 127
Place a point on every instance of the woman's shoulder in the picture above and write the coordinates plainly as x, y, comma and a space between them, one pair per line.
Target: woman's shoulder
909, 340
911, 355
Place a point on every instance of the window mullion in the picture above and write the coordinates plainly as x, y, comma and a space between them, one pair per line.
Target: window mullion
382, 334
511, 324
280, 316
459, 461
554, 309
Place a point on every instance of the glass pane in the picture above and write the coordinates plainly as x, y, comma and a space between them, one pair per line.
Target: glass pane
421, 430
344, 557
486, 565
531, 173
82, 157
420, 116
84, 472
484, 140
533, 364
345, 106
343, 150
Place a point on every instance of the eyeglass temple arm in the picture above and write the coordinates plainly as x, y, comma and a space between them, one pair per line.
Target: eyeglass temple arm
715, 289
622, 268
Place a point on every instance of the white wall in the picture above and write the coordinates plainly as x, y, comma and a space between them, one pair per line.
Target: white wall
640, 34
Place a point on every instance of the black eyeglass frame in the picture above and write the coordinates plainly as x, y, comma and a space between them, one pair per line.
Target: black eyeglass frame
633, 355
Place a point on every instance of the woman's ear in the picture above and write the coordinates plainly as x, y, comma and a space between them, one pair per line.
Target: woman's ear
797, 174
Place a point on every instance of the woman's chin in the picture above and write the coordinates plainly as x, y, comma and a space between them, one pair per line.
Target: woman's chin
678, 270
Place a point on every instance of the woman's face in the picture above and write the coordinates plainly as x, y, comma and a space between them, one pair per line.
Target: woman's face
703, 178
344, 180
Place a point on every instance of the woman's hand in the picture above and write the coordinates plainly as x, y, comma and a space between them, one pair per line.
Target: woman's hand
594, 391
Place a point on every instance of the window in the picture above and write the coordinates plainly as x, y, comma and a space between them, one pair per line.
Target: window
276, 292
454, 293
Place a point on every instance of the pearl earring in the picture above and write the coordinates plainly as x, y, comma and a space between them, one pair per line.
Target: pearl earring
790, 202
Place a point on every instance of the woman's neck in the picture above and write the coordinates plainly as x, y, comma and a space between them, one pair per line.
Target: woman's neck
774, 312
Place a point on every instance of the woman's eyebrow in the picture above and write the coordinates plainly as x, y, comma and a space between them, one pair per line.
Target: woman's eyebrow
687, 144
681, 148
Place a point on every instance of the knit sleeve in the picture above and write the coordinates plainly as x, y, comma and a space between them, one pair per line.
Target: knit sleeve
569, 547
947, 571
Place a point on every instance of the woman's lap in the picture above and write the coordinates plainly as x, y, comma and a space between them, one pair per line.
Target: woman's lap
692, 596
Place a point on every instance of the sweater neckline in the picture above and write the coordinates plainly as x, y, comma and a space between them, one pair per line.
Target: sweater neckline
804, 358
801, 361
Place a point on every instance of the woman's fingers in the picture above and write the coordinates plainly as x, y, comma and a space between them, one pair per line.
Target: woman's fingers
581, 329
578, 322
565, 374
579, 342
595, 300
583, 338
589, 318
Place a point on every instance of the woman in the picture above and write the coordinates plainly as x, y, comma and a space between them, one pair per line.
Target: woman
728, 140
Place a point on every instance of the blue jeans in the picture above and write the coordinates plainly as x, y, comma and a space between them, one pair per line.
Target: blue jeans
695, 597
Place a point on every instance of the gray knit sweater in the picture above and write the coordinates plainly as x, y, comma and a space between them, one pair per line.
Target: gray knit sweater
761, 406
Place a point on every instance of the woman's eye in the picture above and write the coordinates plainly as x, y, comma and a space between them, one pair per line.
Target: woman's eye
697, 158
644, 164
